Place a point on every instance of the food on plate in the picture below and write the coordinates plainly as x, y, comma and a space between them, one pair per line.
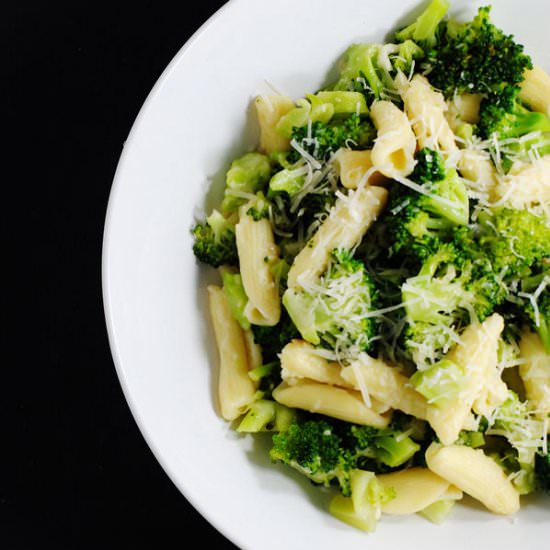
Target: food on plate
384, 258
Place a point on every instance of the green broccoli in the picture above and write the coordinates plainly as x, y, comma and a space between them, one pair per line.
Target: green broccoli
214, 241
336, 311
371, 68
440, 383
273, 339
535, 292
423, 30
513, 240
542, 471
327, 450
418, 222
315, 449
322, 139
247, 174
475, 57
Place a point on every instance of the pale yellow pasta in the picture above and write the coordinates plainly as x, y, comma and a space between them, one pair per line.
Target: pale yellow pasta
463, 108
333, 401
345, 226
253, 350
535, 372
257, 252
535, 90
425, 109
478, 171
386, 384
415, 489
525, 185
476, 474
494, 391
235, 388
270, 109
395, 145
300, 360
476, 354
354, 166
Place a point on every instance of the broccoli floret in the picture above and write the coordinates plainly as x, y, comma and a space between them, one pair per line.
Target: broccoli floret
322, 139
542, 471
215, 242
327, 450
236, 297
515, 421
314, 449
335, 312
475, 57
440, 383
259, 207
452, 289
535, 293
247, 174
514, 240
424, 30
418, 222
372, 68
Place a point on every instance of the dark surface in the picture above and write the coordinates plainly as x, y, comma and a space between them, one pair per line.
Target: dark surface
77, 74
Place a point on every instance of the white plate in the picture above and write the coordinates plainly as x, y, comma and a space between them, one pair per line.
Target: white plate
196, 119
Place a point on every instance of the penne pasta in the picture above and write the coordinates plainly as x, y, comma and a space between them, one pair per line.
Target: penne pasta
340, 403
476, 354
257, 252
476, 474
345, 226
235, 388
269, 110
415, 489
425, 109
386, 384
535, 90
535, 372
395, 145
354, 166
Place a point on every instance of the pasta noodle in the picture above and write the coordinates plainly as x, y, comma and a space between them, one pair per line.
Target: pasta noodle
332, 401
426, 111
393, 151
354, 166
269, 110
348, 221
257, 252
535, 90
235, 388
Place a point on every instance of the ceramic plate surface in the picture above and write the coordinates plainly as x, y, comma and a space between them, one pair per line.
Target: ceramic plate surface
195, 121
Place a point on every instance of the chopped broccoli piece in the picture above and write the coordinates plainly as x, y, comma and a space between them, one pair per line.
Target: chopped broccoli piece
336, 311
419, 222
266, 416
424, 30
363, 509
215, 242
327, 451
440, 383
322, 139
371, 68
536, 305
475, 57
236, 297
247, 174
514, 240
314, 449
288, 180
439, 511
259, 208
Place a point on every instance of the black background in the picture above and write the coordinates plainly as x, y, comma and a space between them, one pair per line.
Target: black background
77, 74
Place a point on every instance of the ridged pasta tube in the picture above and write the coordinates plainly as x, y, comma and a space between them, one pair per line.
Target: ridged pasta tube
257, 252
347, 223
270, 109
331, 401
355, 166
535, 90
395, 145
235, 388
476, 474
